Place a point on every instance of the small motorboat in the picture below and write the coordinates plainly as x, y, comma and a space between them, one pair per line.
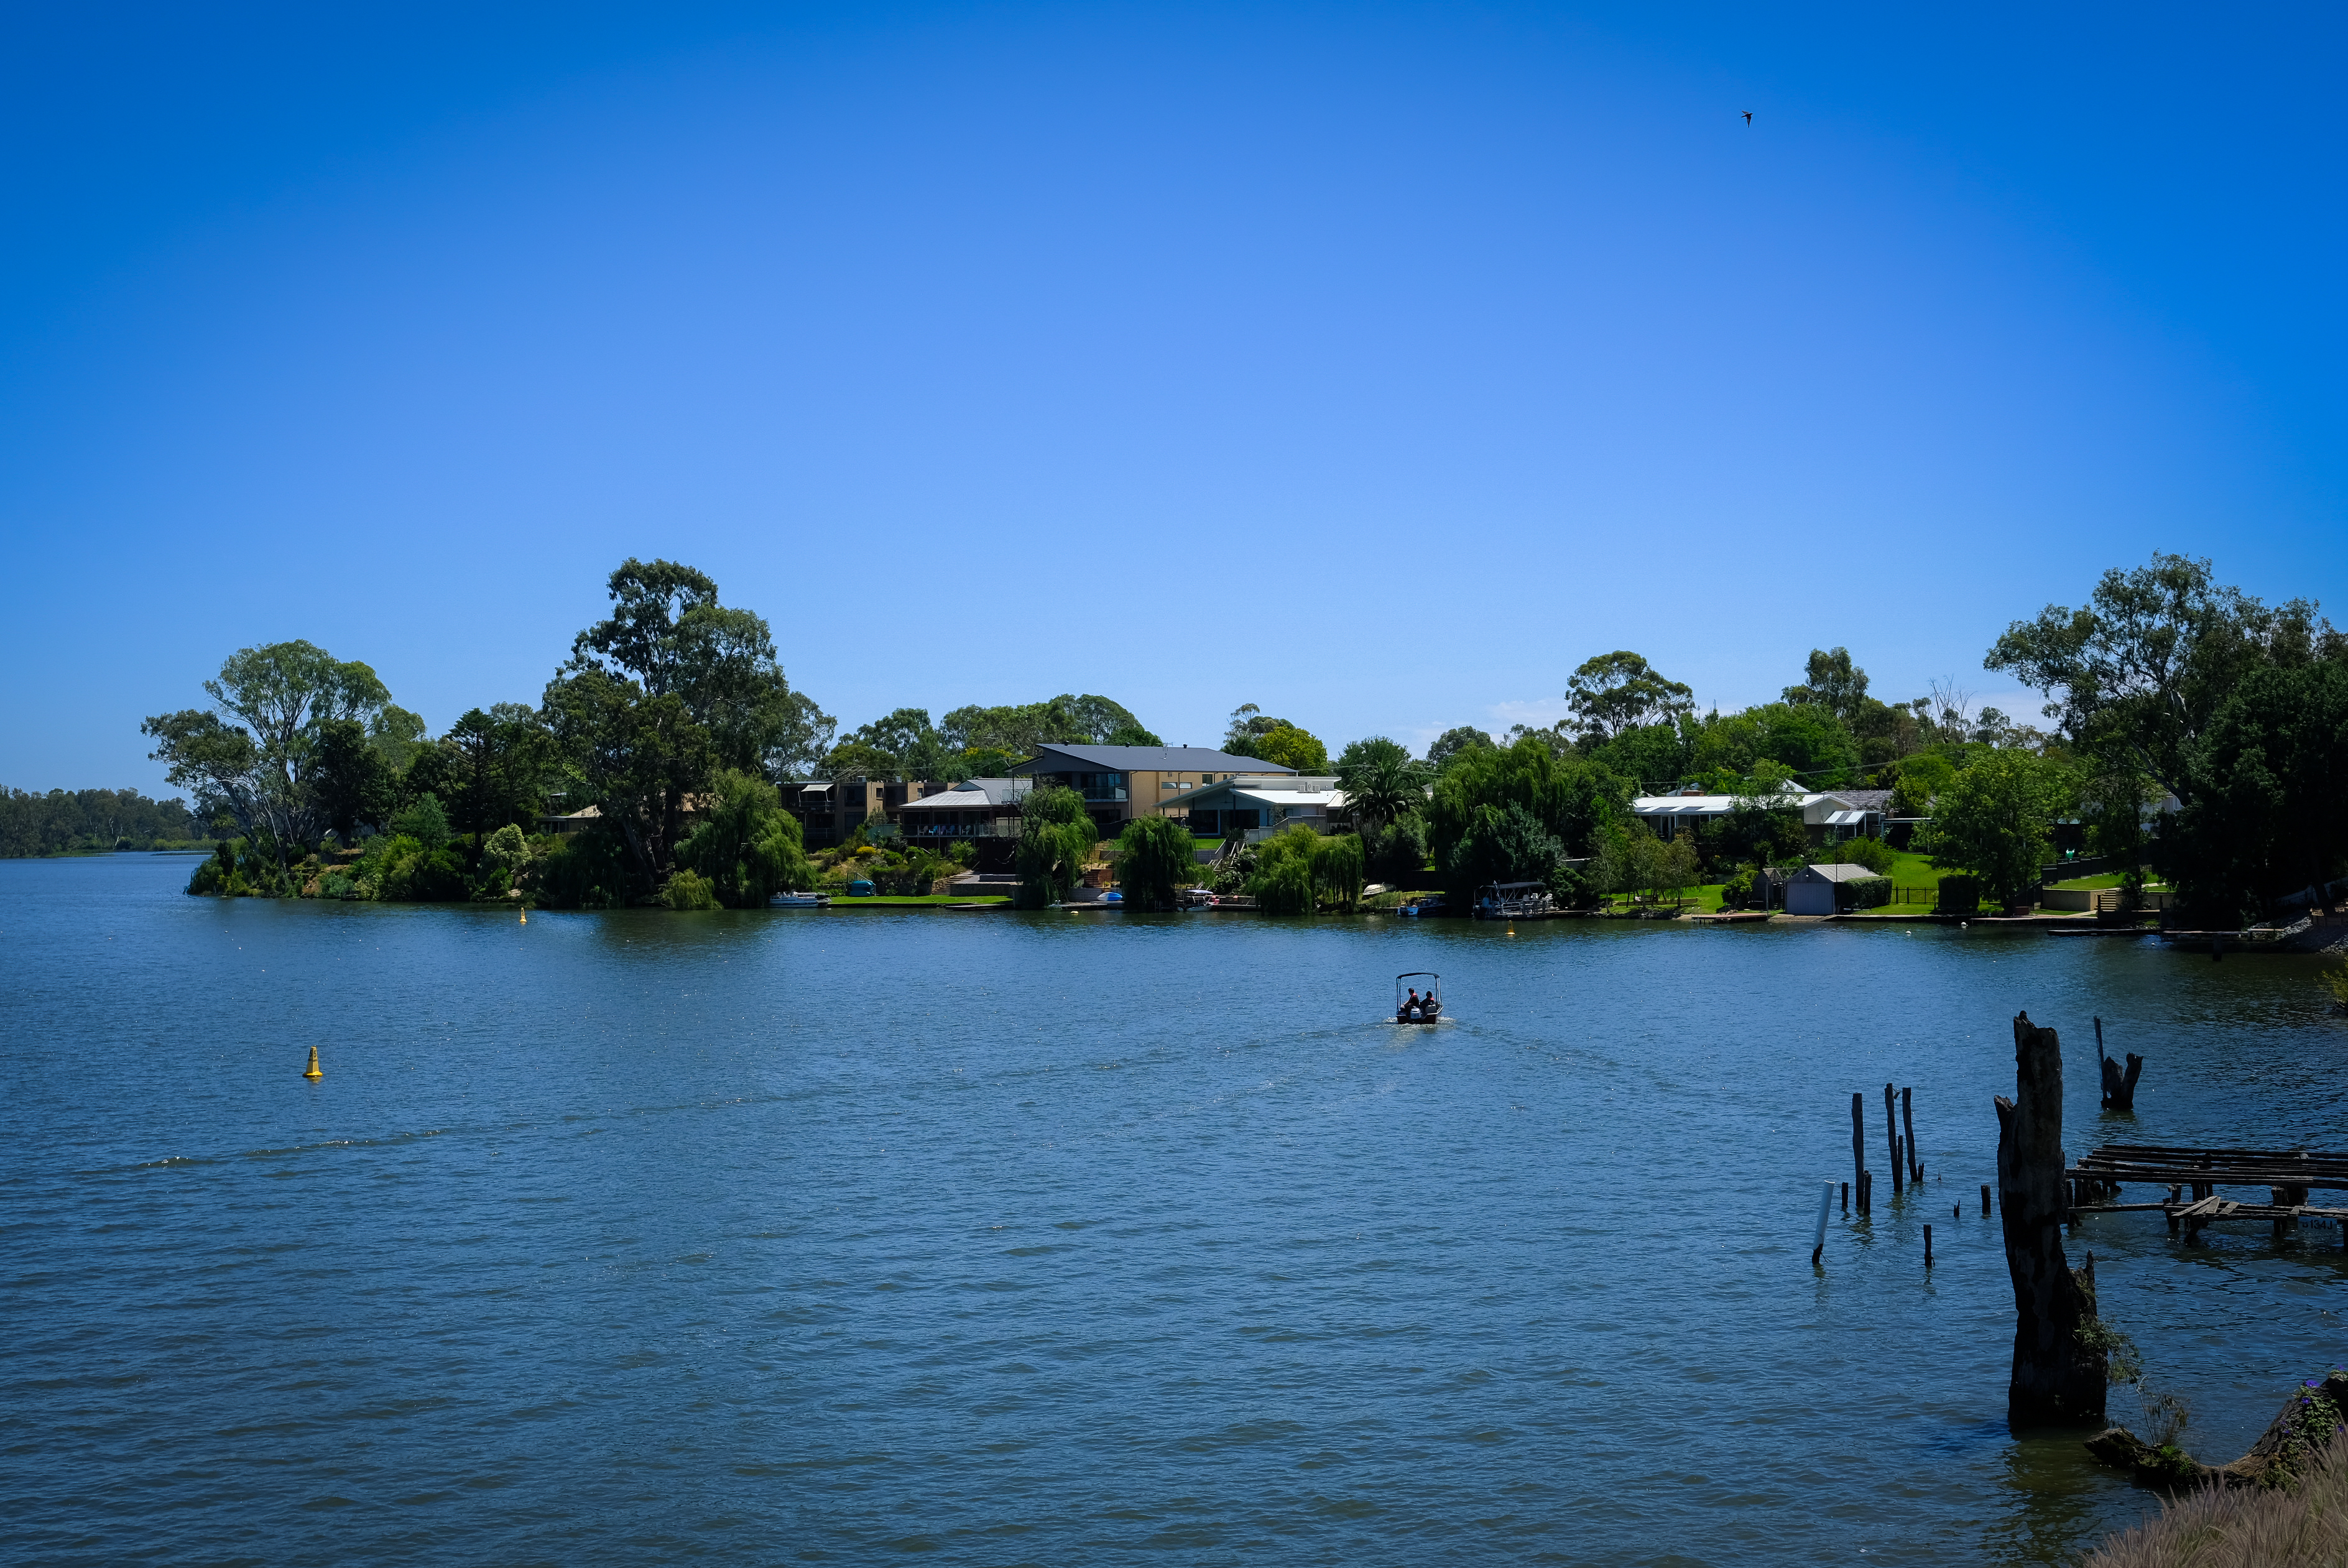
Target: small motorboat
1414, 1006
798, 901
1430, 905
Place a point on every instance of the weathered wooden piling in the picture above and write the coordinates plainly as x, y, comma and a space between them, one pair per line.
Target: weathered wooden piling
1846, 1197
1891, 1131
1858, 1146
2287, 1197
1908, 1119
1984, 1200
1928, 1246
2058, 1378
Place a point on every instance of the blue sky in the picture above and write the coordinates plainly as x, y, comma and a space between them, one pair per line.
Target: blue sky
1374, 364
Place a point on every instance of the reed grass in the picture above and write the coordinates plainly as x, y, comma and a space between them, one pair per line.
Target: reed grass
2217, 1526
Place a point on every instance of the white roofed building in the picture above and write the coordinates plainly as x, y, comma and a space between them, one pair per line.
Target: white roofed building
1843, 813
974, 808
1249, 805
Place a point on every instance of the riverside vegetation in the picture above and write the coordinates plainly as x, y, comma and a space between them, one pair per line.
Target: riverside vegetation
92, 821
2198, 734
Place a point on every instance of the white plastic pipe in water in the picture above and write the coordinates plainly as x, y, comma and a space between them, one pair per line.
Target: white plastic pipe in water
1826, 1197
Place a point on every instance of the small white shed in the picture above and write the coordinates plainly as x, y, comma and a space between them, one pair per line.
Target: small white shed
1812, 890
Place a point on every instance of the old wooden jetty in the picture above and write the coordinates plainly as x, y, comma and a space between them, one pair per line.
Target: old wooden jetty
2192, 1177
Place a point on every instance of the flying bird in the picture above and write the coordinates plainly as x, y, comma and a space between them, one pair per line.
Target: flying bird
1748, 116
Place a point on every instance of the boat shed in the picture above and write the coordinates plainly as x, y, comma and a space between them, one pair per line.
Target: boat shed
1818, 889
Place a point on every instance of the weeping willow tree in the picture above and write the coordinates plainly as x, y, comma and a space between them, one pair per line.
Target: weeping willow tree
1338, 869
1154, 859
746, 849
1056, 838
1297, 870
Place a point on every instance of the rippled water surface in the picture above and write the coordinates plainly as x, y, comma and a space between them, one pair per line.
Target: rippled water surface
998, 1239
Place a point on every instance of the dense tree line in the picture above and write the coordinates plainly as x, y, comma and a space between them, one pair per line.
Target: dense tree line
978, 743
672, 707
67, 821
2197, 732
2204, 731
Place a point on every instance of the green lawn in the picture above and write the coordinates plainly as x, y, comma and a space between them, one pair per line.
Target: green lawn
2109, 879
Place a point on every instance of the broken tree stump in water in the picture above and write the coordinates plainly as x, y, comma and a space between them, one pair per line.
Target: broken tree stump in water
2119, 1087
2059, 1365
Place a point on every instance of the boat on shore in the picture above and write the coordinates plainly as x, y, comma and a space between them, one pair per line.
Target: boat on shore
799, 901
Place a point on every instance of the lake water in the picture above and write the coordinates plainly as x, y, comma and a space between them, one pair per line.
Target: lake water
988, 1239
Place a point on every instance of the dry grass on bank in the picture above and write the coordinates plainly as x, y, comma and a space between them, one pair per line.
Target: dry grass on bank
2243, 1527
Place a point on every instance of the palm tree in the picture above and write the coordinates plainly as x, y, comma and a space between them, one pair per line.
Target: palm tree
1380, 781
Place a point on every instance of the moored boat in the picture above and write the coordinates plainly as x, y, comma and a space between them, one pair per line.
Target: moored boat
1513, 901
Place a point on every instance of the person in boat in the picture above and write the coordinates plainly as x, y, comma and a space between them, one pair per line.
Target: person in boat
1411, 1006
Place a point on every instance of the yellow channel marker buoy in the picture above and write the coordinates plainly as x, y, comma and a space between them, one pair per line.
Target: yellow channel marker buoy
312, 1070
525, 917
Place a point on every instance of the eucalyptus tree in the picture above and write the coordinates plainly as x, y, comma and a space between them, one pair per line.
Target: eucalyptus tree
668, 634
1015, 730
1833, 682
1457, 742
2139, 671
1620, 691
669, 688
256, 753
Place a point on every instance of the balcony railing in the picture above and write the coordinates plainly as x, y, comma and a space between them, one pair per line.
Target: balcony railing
1000, 827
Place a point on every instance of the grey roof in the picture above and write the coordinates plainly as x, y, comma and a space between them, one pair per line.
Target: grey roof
1151, 759
1875, 800
973, 795
1842, 872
